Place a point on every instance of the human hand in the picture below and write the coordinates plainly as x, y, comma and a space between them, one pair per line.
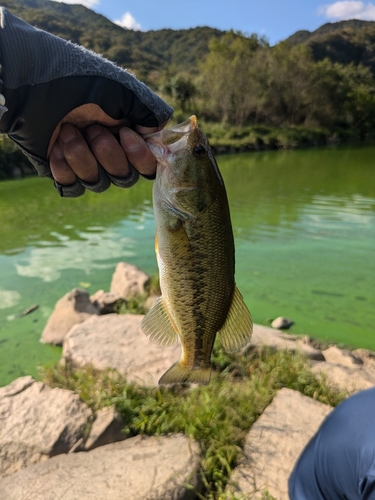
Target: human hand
87, 136
78, 117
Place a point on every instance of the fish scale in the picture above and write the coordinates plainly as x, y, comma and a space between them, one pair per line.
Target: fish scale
195, 253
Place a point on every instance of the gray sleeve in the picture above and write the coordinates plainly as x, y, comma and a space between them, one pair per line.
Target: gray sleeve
45, 77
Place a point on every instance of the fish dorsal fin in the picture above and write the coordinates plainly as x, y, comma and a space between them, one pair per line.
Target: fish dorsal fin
158, 326
238, 327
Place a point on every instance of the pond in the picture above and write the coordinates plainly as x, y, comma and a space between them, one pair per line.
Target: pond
304, 225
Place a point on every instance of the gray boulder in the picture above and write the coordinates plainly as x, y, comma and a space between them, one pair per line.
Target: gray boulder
150, 301
74, 307
128, 281
146, 468
274, 443
106, 301
366, 356
37, 422
264, 336
342, 357
282, 322
347, 379
117, 341
107, 428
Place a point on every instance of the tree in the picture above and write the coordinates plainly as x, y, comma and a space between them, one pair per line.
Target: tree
284, 79
228, 80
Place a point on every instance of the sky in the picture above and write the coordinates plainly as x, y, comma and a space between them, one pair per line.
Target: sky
274, 19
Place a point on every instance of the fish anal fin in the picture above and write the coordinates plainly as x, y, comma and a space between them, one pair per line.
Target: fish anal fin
177, 374
238, 327
158, 326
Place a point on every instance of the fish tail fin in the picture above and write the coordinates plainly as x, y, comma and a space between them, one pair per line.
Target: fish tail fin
177, 374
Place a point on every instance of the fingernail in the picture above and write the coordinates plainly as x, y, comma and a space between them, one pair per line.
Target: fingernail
93, 131
67, 133
130, 140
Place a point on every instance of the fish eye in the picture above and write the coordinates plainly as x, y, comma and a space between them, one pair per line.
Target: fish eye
199, 151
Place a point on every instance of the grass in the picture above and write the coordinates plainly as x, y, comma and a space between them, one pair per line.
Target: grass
225, 138
217, 416
229, 138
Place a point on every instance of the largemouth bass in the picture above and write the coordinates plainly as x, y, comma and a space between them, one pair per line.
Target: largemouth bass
195, 254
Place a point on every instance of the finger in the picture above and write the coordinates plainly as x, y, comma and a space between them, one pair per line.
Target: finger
150, 130
77, 154
61, 171
107, 151
137, 152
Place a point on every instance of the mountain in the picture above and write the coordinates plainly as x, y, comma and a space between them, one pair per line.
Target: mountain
343, 42
305, 35
143, 52
152, 52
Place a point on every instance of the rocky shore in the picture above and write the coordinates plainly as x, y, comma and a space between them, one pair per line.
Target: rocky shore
52, 446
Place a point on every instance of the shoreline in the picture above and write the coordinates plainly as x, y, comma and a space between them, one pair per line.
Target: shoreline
223, 140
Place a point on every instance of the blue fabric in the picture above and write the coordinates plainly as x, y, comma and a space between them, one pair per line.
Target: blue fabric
339, 461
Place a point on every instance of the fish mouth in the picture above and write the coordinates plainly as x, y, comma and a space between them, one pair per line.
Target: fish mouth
171, 140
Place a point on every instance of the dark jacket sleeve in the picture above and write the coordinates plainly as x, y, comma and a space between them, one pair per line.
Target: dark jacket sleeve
44, 77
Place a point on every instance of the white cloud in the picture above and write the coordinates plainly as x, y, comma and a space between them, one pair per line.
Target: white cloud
348, 10
128, 21
87, 3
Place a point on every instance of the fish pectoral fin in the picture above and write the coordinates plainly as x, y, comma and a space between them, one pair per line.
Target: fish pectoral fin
177, 374
158, 326
238, 327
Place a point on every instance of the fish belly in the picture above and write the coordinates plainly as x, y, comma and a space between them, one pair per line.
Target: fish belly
196, 265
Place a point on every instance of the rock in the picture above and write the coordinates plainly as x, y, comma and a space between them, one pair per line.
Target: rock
148, 468
282, 322
265, 336
75, 307
17, 386
344, 378
37, 422
128, 281
107, 302
342, 357
150, 302
367, 357
274, 443
107, 428
117, 341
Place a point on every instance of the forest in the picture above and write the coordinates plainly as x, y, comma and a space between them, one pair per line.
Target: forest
313, 88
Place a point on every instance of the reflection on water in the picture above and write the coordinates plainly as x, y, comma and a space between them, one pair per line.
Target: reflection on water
88, 253
304, 224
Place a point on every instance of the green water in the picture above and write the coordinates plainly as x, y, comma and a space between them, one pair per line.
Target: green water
304, 224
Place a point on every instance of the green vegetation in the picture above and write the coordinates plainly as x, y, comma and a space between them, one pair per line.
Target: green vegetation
311, 89
344, 42
224, 138
12, 162
247, 82
218, 416
143, 52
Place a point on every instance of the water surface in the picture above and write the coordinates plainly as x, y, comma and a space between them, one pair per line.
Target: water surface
304, 225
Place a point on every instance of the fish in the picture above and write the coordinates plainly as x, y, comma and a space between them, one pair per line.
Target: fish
195, 253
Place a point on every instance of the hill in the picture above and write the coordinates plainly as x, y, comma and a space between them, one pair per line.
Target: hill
156, 51
143, 52
343, 42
